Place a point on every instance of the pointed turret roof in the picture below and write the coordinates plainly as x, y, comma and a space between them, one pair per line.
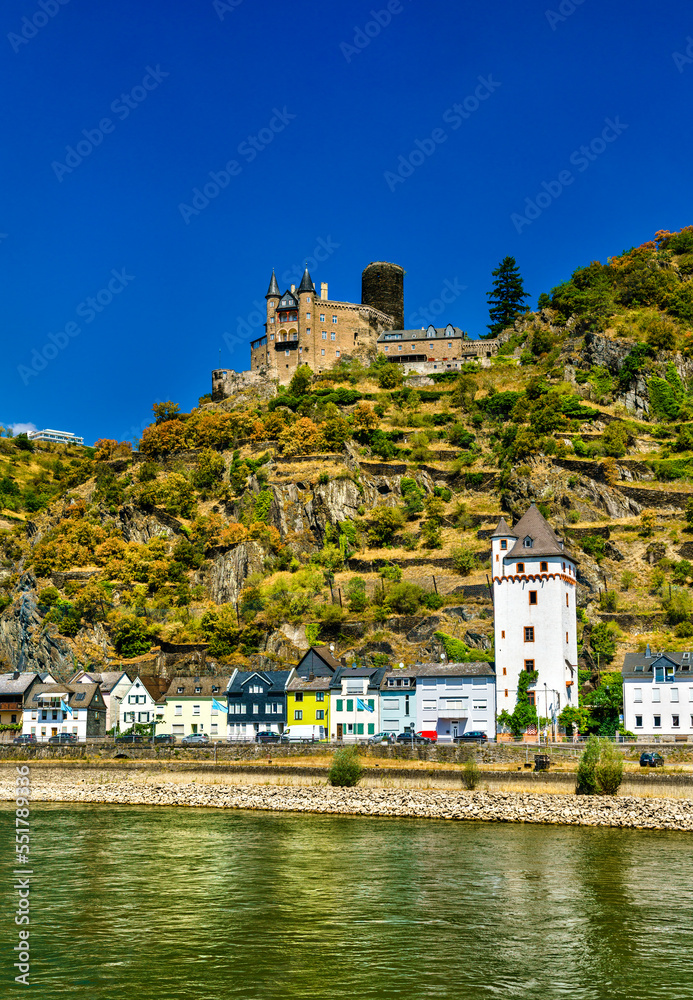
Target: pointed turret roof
503, 530
273, 290
544, 541
306, 282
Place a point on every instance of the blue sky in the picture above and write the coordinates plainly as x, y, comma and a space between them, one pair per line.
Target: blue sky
333, 134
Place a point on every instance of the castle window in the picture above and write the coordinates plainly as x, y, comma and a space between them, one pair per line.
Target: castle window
334, 319
532, 597
520, 567
271, 319
308, 299
567, 601
528, 545
333, 335
322, 351
308, 314
529, 633
449, 345
529, 666
505, 670
502, 635
308, 329
287, 353
399, 347
336, 354
566, 637
386, 348
271, 336
543, 567
504, 543
531, 697
324, 334
322, 317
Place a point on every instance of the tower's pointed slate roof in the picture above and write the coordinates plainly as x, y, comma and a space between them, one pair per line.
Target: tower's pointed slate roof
273, 290
545, 542
503, 530
306, 282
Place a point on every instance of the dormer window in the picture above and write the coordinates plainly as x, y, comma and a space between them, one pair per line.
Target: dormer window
180, 690
431, 332
198, 690
527, 542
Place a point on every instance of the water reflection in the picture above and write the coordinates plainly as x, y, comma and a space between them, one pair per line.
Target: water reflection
165, 903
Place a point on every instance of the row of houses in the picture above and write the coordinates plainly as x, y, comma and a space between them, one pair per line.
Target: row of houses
351, 703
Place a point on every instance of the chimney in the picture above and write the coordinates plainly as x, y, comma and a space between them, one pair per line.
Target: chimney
323, 291
293, 288
647, 651
15, 675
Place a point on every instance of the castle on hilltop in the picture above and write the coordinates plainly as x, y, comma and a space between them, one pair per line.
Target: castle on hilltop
304, 327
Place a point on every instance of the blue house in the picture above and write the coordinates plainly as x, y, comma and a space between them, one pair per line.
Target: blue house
398, 701
454, 698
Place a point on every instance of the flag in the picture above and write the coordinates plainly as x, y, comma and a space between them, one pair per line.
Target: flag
362, 706
217, 706
65, 707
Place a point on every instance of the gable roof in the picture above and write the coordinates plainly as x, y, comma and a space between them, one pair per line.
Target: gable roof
75, 695
275, 680
323, 653
188, 685
148, 685
11, 684
107, 679
681, 660
374, 674
475, 669
303, 684
545, 542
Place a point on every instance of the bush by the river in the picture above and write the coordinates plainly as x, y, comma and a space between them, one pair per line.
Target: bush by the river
346, 770
600, 770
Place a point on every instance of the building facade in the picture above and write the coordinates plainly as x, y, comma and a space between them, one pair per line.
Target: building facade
434, 349
113, 685
398, 702
534, 612
308, 690
195, 705
355, 703
658, 694
256, 702
453, 698
51, 709
139, 704
14, 690
57, 437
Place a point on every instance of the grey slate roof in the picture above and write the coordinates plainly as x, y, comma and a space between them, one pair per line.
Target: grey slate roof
273, 289
545, 542
276, 679
317, 684
306, 282
503, 530
681, 660
441, 333
107, 679
475, 669
9, 684
188, 684
374, 674
91, 693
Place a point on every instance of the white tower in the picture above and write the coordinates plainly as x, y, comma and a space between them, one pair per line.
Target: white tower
534, 614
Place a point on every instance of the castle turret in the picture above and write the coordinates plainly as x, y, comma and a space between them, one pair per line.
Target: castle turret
306, 282
273, 290
382, 286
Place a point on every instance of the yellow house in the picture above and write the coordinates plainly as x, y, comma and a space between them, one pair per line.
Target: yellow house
308, 702
195, 705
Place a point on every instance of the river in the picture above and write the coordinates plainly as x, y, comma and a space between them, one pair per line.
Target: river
171, 904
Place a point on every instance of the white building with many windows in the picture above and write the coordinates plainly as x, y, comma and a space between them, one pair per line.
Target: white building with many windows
658, 694
534, 611
454, 698
139, 704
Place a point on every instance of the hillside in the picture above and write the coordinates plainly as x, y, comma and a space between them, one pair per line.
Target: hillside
356, 509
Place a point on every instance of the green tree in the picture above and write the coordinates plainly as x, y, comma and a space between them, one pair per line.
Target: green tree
507, 297
301, 381
346, 770
600, 770
130, 636
524, 714
165, 411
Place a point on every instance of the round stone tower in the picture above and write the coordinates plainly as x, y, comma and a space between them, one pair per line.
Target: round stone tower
382, 286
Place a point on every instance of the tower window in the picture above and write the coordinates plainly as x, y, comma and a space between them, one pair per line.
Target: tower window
322, 351
531, 697
529, 666
308, 314
543, 567
503, 635
567, 601
529, 633
505, 671
532, 597
520, 567
566, 637
504, 543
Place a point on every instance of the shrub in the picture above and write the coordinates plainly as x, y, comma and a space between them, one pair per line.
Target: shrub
404, 598
464, 560
130, 637
346, 770
383, 523
608, 600
471, 774
586, 773
600, 770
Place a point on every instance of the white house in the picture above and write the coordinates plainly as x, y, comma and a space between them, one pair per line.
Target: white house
454, 698
56, 708
113, 685
658, 694
534, 613
195, 705
139, 704
355, 703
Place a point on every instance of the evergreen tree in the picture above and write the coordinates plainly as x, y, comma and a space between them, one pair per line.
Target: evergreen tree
507, 298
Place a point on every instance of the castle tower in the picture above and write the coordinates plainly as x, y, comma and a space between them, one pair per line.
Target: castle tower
382, 286
305, 295
273, 296
534, 614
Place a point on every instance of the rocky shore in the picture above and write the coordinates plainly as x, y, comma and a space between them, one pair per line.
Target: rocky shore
505, 807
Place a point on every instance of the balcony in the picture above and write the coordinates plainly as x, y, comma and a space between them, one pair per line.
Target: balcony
286, 345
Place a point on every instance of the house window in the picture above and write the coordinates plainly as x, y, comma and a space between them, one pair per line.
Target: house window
543, 567
520, 567
638, 721
528, 544
658, 722
179, 691
336, 354
178, 710
637, 695
298, 715
656, 695
320, 714
479, 704
674, 694
529, 633
675, 721
532, 597
531, 697
299, 696
529, 666
256, 709
196, 709
319, 695
198, 690
132, 699
350, 704
340, 705
308, 314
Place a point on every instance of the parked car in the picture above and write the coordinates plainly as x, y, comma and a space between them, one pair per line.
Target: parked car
268, 737
195, 739
25, 738
430, 734
385, 737
413, 738
651, 759
165, 738
63, 738
473, 736
304, 734
129, 738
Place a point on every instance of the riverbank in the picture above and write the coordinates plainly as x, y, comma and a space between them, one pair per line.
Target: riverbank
181, 789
